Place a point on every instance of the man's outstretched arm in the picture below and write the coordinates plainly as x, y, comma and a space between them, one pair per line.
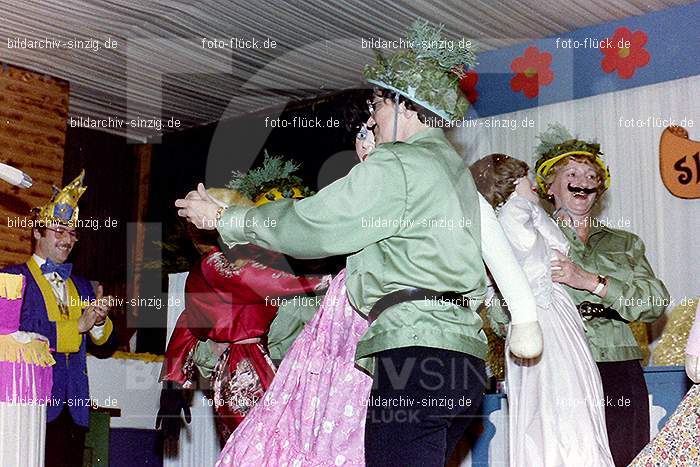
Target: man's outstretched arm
337, 220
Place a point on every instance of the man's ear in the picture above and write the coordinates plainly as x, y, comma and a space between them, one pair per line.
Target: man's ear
409, 114
36, 234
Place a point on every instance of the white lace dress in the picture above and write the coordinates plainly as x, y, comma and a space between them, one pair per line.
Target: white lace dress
556, 402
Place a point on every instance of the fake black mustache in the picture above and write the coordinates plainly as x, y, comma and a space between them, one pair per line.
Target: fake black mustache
578, 189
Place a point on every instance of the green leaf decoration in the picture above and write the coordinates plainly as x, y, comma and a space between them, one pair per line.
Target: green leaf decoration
557, 140
555, 134
275, 172
424, 74
428, 43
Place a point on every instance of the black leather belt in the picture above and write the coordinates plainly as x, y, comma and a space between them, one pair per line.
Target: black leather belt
598, 310
411, 294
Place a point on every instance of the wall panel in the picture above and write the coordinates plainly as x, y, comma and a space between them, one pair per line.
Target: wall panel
33, 112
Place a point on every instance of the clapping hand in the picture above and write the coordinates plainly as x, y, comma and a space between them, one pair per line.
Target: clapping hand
96, 313
101, 306
87, 320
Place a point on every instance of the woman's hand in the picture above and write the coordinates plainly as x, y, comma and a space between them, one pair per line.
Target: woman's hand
565, 271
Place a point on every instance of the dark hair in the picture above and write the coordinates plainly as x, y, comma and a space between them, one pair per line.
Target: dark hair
355, 110
495, 176
424, 115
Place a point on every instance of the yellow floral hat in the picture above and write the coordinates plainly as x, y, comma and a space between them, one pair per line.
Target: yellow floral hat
273, 180
556, 144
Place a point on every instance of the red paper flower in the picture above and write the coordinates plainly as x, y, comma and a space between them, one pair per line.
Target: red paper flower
531, 71
468, 86
624, 52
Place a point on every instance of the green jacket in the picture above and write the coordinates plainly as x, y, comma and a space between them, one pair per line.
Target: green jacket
292, 316
410, 215
633, 290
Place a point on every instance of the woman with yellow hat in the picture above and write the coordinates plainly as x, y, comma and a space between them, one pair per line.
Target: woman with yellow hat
232, 297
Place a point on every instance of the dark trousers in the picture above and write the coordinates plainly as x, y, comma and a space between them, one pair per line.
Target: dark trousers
626, 408
65, 441
422, 401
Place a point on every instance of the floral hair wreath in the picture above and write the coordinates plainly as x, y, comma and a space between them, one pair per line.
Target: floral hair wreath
428, 73
556, 144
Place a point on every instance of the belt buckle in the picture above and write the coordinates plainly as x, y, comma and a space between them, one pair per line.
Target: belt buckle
585, 309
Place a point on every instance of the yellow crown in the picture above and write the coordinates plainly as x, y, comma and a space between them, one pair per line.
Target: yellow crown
63, 207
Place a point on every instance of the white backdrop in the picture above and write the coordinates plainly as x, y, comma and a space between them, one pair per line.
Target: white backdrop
133, 387
129, 385
637, 196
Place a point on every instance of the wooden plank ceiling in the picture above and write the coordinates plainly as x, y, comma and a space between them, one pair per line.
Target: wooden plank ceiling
160, 69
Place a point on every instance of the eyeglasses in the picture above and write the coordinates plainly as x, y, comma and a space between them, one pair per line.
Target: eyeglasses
61, 232
372, 104
363, 132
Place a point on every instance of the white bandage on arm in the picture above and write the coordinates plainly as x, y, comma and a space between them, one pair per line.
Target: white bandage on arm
509, 276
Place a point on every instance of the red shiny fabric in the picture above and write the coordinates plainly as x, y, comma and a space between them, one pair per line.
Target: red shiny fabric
226, 303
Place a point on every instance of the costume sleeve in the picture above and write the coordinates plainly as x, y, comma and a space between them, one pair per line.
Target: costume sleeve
181, 343
291, 318
549, 229
501, 261
515, 219
355, 211
636, 293
68, 338
276, 283
496, 312
101, 335
693, 347
204, 358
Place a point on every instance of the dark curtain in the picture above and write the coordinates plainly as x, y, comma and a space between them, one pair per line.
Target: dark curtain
102, 252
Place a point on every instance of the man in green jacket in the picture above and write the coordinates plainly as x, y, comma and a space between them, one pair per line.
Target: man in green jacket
607, 276
418, 229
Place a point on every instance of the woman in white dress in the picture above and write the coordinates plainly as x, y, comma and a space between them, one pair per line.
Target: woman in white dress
556, 411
